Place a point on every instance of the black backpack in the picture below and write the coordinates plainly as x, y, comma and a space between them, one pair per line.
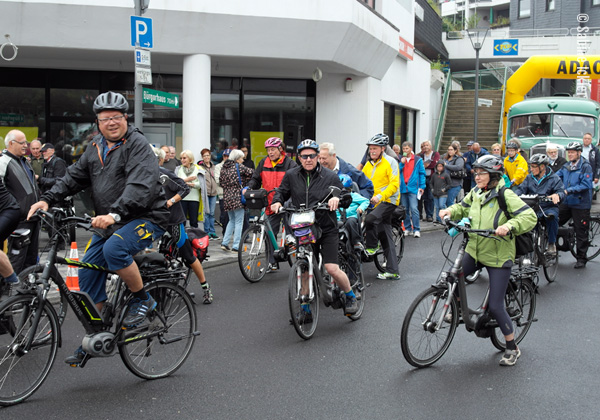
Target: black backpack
524, 241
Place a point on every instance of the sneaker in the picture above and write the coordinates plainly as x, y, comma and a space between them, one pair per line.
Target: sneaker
271, 268
214, 236
371, 251
417, 234
77, 357
303, 317
234, 250
510, 357
138, 310
351, 306
225, 248
580, 264
552, 248
208, 296
388, 276
408, 233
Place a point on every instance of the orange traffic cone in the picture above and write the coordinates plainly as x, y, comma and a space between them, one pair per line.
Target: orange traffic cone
72, 274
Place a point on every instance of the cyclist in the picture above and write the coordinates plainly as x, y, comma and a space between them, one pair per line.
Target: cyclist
497, 256
515, 165
383, 171
269, 173
9, 219
308, 185
358, 206
329, 159
130, 206
577, 176
543, 181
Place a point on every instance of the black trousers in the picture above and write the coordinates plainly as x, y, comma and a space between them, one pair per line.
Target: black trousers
581, 223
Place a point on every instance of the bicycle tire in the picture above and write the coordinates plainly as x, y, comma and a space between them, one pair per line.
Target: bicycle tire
253, 257
23, 371
352, 266
551, 260
29, 278
522, 302
304, 329
594, 238
418, 338
380, 260
154, 350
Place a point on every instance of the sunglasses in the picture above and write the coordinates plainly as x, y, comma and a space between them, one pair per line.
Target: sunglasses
310, 156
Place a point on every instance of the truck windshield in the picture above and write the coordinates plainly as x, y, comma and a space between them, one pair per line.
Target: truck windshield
563, 125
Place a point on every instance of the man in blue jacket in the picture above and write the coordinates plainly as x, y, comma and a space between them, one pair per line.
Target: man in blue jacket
329, 159
577, 175
412, 186
471, 157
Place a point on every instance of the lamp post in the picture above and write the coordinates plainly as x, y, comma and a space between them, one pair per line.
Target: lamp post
477, 44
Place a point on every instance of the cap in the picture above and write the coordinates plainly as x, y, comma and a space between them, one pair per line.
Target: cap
226, 152
470, 143
47, 146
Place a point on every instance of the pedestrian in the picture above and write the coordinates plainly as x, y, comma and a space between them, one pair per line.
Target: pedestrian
211, 193
440, 185
430, 160
455, 165
412, 186
195, 179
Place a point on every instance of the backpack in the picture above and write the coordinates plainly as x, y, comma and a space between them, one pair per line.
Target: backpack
524, 241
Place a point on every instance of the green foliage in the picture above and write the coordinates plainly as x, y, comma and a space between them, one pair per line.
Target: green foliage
501, 21
449, 25
473, 21
435, 7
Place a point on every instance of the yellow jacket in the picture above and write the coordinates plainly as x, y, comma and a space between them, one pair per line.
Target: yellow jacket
516, 170
385, 176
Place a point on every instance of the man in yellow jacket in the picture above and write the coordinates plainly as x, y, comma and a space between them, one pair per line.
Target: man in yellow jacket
382, 170
515, 165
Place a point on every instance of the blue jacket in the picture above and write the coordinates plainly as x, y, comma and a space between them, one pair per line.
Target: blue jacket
358, 201
549, 184
470, 159
364, 184
578, 183
417, 178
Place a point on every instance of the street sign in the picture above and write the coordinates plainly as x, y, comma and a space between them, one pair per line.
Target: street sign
143, 76
142, 57
156, 97
484, 102
141, 32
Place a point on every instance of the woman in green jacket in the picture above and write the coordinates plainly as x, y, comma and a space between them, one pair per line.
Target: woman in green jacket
482, 207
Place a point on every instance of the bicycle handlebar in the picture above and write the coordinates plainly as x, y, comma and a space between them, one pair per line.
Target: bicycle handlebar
467, 228
84, 222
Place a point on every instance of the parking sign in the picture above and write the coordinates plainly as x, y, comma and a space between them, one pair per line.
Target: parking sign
141, 32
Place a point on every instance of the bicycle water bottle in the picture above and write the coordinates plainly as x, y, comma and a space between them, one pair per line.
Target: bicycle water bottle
453, 232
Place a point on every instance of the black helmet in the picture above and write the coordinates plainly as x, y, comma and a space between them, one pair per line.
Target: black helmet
490, 163
512, 145
308, 144
574, 145
539, 159
379, 140
110, 101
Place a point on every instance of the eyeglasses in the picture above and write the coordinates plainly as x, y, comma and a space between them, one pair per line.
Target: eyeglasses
21, 142
482, 173
116, 119
310, 156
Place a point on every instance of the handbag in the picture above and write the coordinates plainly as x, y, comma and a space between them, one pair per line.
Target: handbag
524, 241
237, 168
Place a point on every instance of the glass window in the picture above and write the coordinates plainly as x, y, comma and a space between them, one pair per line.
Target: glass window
550, 4
524, 8
572, 125
22, 108
595, 2
72, 103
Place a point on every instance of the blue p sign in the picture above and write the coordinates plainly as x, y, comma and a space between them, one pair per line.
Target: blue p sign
141, 32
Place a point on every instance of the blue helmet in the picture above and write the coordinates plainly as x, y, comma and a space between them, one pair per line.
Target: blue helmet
308, 144
346, 180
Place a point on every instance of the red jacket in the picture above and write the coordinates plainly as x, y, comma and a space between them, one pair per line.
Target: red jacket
269, 176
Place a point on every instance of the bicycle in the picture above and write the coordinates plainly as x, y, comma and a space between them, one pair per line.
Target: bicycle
253, 252
321, 285
30, 331
567, 242
398, 232
540, 257
432, 318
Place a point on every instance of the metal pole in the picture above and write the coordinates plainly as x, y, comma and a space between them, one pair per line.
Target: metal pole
477, 48
138, 115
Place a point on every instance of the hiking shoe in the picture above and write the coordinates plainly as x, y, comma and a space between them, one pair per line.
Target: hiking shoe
138, 310
225, 248
580, 264
510, 357
351, 306
371, 251
551, 248
388, 276
417, 234
303, 317
208, 296
77, 357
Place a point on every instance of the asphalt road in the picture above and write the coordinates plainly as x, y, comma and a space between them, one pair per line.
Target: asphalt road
249, 362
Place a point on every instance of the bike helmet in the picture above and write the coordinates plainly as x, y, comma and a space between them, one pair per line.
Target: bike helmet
490, 163
379, 140
273, 142
308, 144
539, 159
110, 101
512, 145
346, 180
574, 145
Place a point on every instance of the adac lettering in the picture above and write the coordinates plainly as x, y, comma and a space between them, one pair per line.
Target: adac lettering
578, 67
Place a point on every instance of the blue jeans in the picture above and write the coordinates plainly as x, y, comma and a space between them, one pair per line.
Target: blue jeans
452, 193
234, 228
209, 218
115, 252
551, 223
440, 204
410, 203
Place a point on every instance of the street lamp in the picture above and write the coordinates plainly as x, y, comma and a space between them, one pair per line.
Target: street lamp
474, 36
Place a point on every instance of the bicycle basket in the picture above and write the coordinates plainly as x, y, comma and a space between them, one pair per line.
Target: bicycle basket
306, 233
256, 199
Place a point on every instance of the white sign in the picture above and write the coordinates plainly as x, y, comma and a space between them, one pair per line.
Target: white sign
142, 57
141, 32
143, 76
485, 102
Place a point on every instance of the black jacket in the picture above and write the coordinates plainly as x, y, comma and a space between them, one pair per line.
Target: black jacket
126, 182
558, 163
307, 189
173, 186
51, 171
19, 183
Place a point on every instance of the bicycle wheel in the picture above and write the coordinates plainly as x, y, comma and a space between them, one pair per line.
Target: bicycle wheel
304, 324
161, 344
30, 277
520, 305
424, 341
551, 259
23, 367
472, 278
353, 268
381, 261
594, 236
252, 254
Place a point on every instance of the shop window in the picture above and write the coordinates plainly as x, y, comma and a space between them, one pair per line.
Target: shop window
22, 108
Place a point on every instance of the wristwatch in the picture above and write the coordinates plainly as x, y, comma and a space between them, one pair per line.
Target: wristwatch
115, 216
173, 200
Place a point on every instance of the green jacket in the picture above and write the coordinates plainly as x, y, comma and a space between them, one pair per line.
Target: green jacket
485, 213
